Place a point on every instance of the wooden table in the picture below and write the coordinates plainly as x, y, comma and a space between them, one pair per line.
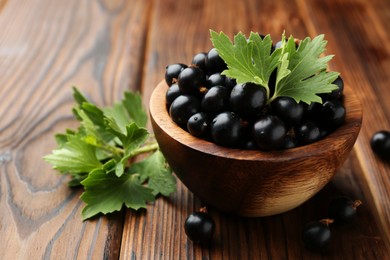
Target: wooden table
106, 47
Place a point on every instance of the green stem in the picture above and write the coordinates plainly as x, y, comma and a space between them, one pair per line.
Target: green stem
269, 100
146, 149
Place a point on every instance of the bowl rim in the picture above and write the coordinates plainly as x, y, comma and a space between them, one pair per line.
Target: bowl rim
350, 129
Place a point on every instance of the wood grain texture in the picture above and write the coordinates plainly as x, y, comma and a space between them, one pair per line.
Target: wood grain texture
107, 46
47, 47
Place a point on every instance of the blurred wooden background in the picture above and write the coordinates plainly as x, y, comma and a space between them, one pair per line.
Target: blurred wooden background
105, 47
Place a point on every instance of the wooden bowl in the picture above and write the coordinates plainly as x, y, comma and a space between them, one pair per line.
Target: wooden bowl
253, 183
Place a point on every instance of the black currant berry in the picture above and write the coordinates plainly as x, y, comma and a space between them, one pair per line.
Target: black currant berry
227, 129
191, 80
307, 132
216, 100
198, 124
247, 100
214, 63
288, 110
269, 132
343, 209
230, 83
333, 114
380, 144
182, 108
172, 93
316, 234
215, 79
199, 60
200, 227
172, 72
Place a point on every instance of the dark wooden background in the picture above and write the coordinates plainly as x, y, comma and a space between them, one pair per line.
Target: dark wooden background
105, 47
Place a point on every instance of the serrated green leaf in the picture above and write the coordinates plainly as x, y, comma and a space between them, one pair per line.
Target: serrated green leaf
77, 179
248, 60
97, 155
119, 115
75, 156
131, 137
133, 104
94, 113
106, 193
307, 77
61, 139
299, 71
155, 170
78, 96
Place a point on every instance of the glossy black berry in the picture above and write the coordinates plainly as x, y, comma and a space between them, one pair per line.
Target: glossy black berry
215, 79
380, 144
316, 235
216, 100
269, 132
343, 209
288, 110
227, 129
199, 60
200, 227
214, 63
172, 72
247, 100
333, 114
191, 80
182, 108
230, 83
172, 93
307, 133
198, 124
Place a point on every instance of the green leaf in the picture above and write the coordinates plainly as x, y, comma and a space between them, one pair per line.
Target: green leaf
97, 154
75, 156
307, 77
78, 96
248, 60
131, 139
300, 72
61, 139
155, 170
106, 193
133, 104
118, 114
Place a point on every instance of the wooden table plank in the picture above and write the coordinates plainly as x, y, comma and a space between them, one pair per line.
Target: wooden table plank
46, 47
107, 46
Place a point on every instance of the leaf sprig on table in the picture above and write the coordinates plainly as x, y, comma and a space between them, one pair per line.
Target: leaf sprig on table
99, 156
301, 72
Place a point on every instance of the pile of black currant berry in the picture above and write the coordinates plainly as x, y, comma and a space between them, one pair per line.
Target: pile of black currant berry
316, 235
214, 107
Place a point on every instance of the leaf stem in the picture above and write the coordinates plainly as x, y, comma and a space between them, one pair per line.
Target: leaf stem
147, 148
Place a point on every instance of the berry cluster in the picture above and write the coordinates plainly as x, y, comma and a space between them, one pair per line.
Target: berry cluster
214, 107
316, 235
